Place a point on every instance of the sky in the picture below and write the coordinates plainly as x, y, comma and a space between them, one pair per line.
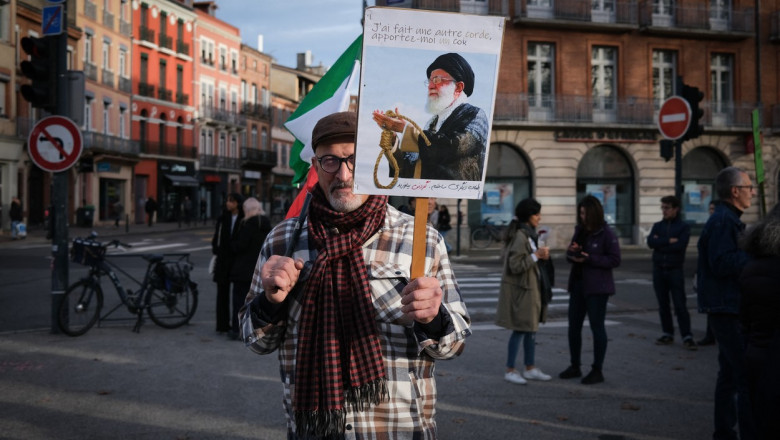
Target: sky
325, 27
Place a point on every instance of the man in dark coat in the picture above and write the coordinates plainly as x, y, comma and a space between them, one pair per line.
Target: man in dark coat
150, 208
457, 131
226, 230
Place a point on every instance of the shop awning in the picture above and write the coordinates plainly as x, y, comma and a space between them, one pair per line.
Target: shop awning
177, 180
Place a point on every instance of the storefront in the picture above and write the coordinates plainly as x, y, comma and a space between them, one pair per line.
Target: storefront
176, 181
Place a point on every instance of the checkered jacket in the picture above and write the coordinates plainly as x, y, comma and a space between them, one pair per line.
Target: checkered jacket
408, 353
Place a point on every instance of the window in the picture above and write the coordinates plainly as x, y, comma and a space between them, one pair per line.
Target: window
210, 142
122, 122
88, 113
234, 61
203, 142
540, 74
163, 23
204, 51
233, 101
107, 55
161, 132
254, 136
180, 30
123, 62
162, 74
264, 139
243, 91
222, 146
106, 118
144, 69
721, 78
233, 146
285, 149
266, 96
5, 22
222, 99
88, 48
223, 58
603, 79
180, 80
253, 94
664, 75
3, 97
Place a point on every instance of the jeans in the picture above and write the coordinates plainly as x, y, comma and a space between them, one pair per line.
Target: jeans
732, 403
666, 281
529, 342
595, 306
14, 233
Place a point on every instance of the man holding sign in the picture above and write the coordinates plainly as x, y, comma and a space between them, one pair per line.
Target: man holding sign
357, 337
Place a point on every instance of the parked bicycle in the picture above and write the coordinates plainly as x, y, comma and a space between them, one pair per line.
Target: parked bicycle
485, 234
166, 292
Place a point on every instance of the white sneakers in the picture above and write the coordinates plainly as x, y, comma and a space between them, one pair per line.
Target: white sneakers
535, 374
515, 377
532, 374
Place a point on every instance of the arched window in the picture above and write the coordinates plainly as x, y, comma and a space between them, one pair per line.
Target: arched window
507, 181
699, 168
605, 173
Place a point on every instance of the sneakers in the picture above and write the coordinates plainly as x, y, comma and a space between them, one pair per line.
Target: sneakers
593, 377
571, 372
535, 374
706, 341
690, 344
664, 340
514, 377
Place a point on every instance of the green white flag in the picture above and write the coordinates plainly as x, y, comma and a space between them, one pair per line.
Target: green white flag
330, 95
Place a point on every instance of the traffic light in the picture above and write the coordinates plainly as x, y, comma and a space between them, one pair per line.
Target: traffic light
41, 69
694, 96
667, 149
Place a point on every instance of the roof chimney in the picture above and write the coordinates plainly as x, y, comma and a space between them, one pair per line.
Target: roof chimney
260, 43
304, 60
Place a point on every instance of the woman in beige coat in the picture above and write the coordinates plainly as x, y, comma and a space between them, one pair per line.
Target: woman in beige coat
525, 289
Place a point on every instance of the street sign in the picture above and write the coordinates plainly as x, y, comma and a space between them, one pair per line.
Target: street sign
51, 20
55, 144
674, 118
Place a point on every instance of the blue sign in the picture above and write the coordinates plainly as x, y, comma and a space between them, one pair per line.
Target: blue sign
51, 23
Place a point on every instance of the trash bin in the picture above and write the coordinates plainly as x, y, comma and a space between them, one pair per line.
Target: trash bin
85, 215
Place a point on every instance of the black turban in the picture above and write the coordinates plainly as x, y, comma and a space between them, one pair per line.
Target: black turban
457, 67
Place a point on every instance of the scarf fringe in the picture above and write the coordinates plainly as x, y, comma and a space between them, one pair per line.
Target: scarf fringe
327, 423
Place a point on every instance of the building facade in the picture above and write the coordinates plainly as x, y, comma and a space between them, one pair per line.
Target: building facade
163, 106
11, 146
579, 89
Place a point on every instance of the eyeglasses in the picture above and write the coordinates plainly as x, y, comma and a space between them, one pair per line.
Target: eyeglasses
750, 187
436, 80
332, 164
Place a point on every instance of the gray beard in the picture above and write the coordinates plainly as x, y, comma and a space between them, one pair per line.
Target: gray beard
445, 99
343, 205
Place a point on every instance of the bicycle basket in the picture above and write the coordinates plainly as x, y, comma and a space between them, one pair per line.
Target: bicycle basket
86, 252
172, 276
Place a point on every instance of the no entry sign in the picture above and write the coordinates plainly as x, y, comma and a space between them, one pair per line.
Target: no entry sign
55, 144
674, 118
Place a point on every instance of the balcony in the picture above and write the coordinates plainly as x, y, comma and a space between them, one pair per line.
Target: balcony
567, 110
108, 77
166, 41
90, 10
619, 16
256, 111
90, 70
698, 19
125, 28
125, 85
108, 143
254, 158
493, 7
219, 162
162, 149
182, 98
147, 34
164, 94
108, 19
182, 47
146, 89
217, 115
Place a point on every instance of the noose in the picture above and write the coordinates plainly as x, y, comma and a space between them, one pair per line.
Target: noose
386, 142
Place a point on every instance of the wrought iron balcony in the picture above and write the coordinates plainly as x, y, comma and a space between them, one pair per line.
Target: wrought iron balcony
621, 12
223, 115
108, 19
146, 89
182, 98
108, 77
259, 158
90, 70
165, 94
125, 85
164, 149
211, 161
494, 7
166, 41
125, 28
104, 142
147, 34
698, 17
182, 47
257, 111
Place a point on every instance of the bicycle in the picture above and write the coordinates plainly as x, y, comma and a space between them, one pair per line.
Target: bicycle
485, 234
166, 292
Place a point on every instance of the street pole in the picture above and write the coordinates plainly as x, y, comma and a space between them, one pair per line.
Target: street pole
678, 169
59, 186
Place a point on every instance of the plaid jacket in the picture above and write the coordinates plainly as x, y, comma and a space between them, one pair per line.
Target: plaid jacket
408, 353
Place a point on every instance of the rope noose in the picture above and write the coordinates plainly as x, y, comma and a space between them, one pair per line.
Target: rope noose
386, 142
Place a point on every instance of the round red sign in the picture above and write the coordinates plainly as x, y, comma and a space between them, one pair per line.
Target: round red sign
54, 143
674, 118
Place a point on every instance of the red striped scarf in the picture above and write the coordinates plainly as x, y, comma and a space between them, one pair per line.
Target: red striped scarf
339, 359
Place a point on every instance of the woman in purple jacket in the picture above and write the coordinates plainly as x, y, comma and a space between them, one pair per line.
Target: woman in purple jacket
594, 251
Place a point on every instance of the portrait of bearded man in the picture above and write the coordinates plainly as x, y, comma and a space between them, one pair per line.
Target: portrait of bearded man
457, 130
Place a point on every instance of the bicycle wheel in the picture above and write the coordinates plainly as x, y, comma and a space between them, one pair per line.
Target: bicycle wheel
171, 310
481, 238
80, 307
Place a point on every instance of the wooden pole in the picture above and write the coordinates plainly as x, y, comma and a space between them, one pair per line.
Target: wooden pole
419, 243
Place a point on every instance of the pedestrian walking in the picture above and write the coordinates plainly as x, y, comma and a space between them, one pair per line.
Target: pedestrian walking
720, 264
526, 290
669, 239
245, 246
118, 211
17, 217
150, 208
593, 253
356, 336
224, 234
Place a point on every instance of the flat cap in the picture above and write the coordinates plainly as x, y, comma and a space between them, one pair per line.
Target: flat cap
333, 126
457, 67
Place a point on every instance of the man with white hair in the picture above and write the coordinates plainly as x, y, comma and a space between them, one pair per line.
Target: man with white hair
457, 131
